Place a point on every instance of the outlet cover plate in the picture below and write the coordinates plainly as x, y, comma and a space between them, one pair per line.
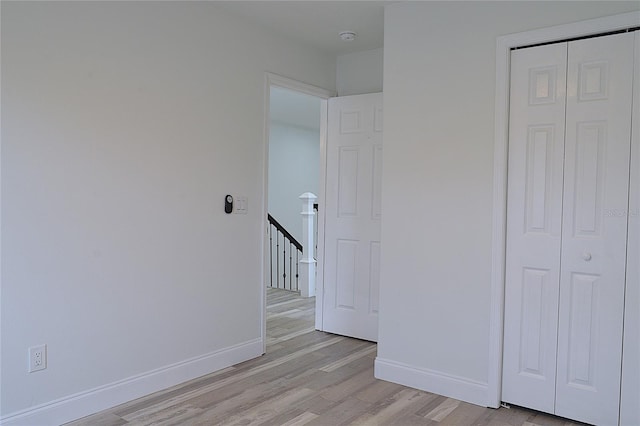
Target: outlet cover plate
37, 358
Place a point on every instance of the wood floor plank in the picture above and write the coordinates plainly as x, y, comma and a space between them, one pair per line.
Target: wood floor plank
269, 408
346, 388
348, 359
302, 419
289, 336
378, 391
464, 414
170, 416
225, 408
342, 414
431, 405
307, 377
405, 401
443, 410
317, 405
411, 420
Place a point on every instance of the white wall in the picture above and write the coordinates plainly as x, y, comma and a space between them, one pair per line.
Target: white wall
294, 166
360, 72
439, 89
124, 125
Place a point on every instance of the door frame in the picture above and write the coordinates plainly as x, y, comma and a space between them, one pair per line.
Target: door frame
504, 44
271, 79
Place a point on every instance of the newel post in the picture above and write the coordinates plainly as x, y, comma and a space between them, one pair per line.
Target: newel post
308, 263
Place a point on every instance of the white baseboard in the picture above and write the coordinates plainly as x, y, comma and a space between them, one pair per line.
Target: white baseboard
432, 381
101, 398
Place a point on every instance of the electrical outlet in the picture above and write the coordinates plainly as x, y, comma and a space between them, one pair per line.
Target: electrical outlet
37, 358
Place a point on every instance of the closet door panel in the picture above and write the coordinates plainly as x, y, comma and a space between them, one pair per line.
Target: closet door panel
534, 211
594, 230
630, 395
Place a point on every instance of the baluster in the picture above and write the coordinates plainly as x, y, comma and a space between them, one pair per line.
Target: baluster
284, 263
270, 255
277, 259
290, 266
297, 271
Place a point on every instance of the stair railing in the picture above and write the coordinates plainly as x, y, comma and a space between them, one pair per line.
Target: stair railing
285, 245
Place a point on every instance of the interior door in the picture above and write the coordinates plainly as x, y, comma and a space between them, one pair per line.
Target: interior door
568, 195
534, 224
352, 216
594, 231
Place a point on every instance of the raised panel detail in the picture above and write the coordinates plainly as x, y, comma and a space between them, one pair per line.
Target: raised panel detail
346, 273
377, 119
350, 121
348, 181
583, 339
542, 85
376, 198
593, 81
589, 179
539, 178
374, 277
532, 311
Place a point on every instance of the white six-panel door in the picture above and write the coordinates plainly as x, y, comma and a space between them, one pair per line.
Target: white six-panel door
534, 205
594, 231
569, 153
352, 216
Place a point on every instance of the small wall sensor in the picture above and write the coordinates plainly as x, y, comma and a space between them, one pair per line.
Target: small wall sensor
228, 204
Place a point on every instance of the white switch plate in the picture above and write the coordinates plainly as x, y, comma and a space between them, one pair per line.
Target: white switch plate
240, 204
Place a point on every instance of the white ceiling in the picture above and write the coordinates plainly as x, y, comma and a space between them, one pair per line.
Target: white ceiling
317, 23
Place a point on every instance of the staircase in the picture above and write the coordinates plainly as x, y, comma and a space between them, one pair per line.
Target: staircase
289, 269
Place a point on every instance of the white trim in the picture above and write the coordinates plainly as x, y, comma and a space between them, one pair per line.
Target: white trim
1, 292
432, 381
82, 404
324, 131
271, 79
308, 89
503, 46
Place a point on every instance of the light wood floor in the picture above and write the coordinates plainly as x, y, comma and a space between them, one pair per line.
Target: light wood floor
306, 378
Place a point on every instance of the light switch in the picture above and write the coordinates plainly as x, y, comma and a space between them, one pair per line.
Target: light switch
241, 204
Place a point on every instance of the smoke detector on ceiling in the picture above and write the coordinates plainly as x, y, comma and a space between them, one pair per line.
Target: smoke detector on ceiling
347, 36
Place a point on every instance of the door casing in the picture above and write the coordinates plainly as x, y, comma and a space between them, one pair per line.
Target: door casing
504, 44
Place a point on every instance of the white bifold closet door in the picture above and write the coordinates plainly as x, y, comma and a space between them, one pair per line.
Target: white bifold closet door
568, 192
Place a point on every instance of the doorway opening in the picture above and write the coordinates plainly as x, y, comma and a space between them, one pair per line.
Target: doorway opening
295, 128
